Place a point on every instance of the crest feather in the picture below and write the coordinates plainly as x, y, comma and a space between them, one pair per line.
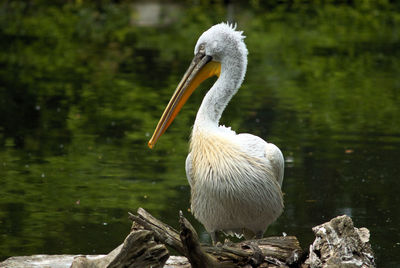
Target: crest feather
232, 26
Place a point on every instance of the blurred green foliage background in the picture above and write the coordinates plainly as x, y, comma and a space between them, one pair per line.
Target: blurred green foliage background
83, 84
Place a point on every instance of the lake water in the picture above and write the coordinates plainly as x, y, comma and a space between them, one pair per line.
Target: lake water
83, 86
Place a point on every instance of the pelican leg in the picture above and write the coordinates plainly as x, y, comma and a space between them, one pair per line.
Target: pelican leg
259, 234
214, 239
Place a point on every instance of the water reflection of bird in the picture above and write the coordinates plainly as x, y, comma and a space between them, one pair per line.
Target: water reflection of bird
235, 179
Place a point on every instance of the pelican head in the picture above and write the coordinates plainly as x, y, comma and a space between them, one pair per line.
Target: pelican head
221, 42
220, 47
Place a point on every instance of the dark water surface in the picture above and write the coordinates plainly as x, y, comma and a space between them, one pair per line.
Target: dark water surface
83, 86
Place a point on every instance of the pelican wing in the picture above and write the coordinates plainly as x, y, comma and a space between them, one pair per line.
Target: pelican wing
257, 147
275, 157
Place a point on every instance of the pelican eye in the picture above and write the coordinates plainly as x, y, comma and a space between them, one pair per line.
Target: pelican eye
202, 48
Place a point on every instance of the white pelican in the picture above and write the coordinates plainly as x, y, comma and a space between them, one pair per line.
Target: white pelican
235, 179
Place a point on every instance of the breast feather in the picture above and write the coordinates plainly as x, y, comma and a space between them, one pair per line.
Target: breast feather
221, 166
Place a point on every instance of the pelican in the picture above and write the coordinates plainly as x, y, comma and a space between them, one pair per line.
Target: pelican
235, 179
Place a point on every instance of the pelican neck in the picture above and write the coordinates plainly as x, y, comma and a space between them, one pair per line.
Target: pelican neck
218, 97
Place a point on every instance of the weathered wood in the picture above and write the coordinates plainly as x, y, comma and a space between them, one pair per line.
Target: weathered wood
138, 250
65, 261
275, 251
162, 232
193, 251
177, 262
339, 243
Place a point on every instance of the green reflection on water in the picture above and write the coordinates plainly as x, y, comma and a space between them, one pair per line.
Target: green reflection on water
83, 87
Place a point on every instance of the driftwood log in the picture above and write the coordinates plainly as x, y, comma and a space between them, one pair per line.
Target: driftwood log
338, 244
275, 250
145, 247
138, 250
